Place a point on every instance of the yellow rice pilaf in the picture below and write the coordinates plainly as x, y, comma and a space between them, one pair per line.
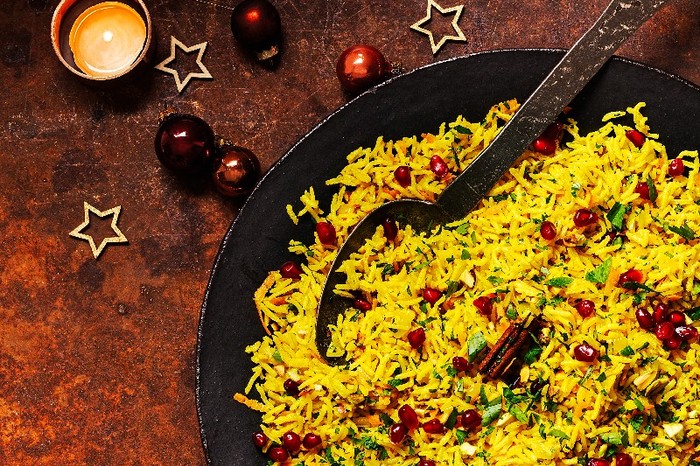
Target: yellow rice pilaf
637, 397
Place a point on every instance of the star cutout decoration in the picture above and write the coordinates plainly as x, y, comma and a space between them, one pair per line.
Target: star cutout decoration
455, 10
165, 68
119, 238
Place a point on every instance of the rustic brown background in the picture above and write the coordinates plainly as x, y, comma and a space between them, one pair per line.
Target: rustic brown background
97, 358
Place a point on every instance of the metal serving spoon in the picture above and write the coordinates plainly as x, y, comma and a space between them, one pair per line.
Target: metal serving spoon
619, 20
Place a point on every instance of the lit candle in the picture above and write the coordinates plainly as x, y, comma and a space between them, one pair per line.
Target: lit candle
107, 38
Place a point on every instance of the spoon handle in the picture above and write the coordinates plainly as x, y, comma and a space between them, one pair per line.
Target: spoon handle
619, 20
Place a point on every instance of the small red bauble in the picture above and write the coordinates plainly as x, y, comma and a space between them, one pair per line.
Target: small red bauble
360, 67
256, 25
236, 171
184, 143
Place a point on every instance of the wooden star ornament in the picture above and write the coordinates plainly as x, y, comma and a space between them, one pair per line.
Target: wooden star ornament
456, 11
165, 68
97, 250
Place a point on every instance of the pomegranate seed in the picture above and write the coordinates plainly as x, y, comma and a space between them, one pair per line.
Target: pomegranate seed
676, 318
664, 331
439, 166
643, 190
687, 332
291, 387
585, 307
326, 233
362, 304
460, 363
434, 426
673, 343
623, 459
471, 420
548, 230
676, 167
260, 439
585, 352
431, 295
408, 417
426, 463
631, 276
484, 305
390, 228
645, 319
660, 313
402, 175
584, 217
311, 441
635, 137
290, 269
291, 441
278, 454
598, 462
397, 433
554, 130
416, 338
545, 145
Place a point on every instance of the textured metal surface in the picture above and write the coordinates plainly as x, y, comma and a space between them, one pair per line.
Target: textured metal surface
97, 357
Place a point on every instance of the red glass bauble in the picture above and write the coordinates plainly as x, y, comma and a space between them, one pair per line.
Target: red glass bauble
361, 67
184, 143
236, 171
256, 25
